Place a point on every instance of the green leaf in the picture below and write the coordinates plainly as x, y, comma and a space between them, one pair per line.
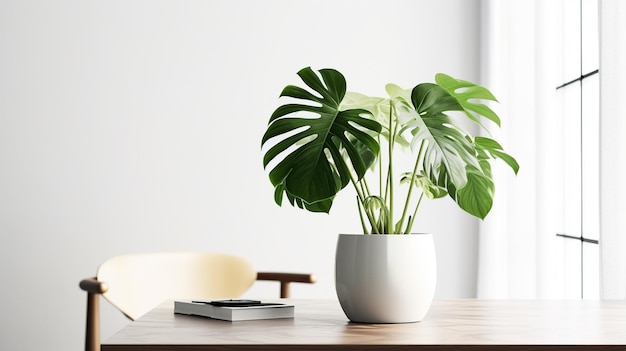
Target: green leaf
279, 189
496, 151
363, 150
476, 197
312, 139
453, 159
433, 99
464, 91
380, 108
320, 206
447, 151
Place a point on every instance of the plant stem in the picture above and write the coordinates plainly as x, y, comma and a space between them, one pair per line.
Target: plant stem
365, 190
361, 202
380, 171
411, 219
411, 185
365, 186
360, 208
392, 140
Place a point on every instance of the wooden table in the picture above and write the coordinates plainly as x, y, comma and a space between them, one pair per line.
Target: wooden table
449, 325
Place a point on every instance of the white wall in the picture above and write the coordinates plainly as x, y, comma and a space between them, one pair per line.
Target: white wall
134, 126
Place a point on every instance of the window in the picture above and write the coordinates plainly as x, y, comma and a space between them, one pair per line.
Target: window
579, 136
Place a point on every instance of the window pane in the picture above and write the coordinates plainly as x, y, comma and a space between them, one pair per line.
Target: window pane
590, 59
570, 161
571, 268
591, 271
571, 39
591, 158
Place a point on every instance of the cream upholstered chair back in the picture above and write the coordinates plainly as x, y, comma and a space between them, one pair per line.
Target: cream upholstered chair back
139, 282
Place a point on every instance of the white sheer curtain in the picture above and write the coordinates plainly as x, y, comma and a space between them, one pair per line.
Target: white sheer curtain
519, 255
613, 148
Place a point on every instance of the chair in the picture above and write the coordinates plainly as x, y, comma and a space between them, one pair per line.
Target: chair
134, 284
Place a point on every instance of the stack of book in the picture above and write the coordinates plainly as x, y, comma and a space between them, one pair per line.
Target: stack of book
234, 310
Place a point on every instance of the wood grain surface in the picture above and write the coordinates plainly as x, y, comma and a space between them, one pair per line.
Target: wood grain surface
449, 325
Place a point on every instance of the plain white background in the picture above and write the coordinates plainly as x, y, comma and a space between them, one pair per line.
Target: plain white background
135, 126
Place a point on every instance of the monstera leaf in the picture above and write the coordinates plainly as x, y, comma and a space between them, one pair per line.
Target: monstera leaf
465, 91
476, 197
448, 152
316, 146
383, 110
452, 159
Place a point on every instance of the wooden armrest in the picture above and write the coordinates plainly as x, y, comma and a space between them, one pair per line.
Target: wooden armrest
285, 279
92, 285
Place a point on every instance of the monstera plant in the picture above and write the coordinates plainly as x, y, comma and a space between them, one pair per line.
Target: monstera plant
325, 138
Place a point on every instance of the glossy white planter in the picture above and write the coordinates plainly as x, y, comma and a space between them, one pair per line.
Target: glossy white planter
385, 278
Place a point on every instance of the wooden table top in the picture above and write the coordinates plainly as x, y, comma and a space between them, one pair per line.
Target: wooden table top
449, 325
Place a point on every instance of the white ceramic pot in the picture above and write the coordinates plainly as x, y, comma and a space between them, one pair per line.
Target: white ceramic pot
385, 278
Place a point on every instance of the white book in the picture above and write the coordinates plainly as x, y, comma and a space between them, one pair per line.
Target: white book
234, 310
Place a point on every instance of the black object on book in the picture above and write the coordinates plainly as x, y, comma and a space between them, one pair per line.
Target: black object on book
234, 310
236, 303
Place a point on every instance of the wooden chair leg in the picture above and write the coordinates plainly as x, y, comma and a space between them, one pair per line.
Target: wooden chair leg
284, 290
92, 333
